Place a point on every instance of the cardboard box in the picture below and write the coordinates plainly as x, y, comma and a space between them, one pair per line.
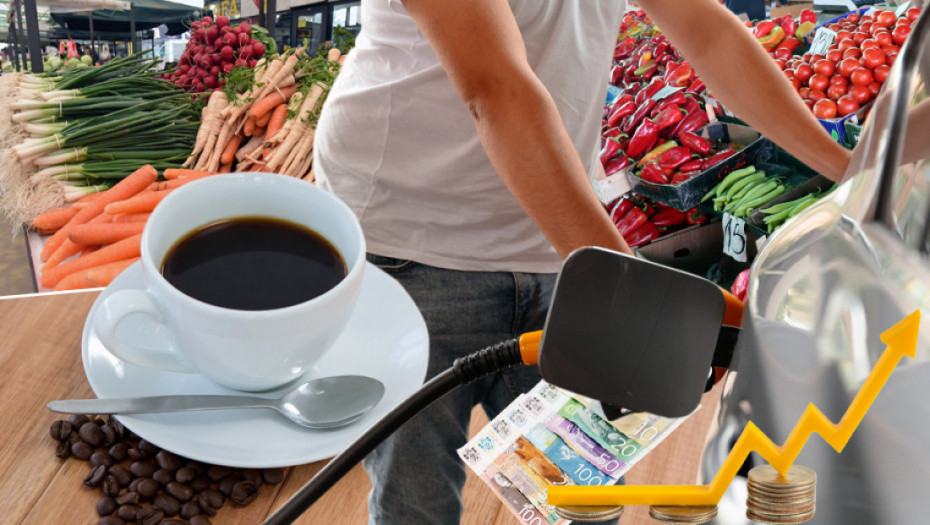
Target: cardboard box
793, 9
836, 127
693, 250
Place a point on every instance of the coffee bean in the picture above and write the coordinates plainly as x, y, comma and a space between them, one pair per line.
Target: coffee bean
101, 458
198, 467
118, 451
147, 489
82, 450
167, 503
111, 486
273, 476
105, 506
199, 519
63, 449
96, 476
91, 433
135, 454
118, 427
218, 472
168, 461
122, 475
182, 492
255, 476
198, 484
60, 430
109, 435
244, 492
128, 512
172, 521
149, 515
206, 509
142, 469
111, 520
134, 485
128, 498
211, 497
163, 476
227, 483
148, 447
78, 420
189, 510
184, 475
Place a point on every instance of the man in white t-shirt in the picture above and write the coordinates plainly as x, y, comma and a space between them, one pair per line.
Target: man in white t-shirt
464, 135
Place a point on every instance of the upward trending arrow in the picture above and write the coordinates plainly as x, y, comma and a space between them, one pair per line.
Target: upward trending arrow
900, 339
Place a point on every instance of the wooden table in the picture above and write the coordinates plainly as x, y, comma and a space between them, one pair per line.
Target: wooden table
40, 360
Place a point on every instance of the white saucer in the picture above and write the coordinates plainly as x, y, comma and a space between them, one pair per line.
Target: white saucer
385, 338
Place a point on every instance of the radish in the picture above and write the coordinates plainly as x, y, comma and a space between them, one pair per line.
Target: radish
227, 68
209, 82
245, 52
258, 49
246, 28
222, 21
253, 62
230, 39
212, 33
243, 39
215, 71
241, 63
207, 21
219, 43
227, 54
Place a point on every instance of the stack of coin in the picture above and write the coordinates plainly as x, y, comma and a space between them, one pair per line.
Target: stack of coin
589, 513
778, 499
683, 513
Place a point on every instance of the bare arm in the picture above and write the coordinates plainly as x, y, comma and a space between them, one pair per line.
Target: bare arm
737, 71
480, 47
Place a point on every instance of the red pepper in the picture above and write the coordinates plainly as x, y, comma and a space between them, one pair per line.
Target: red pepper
670, 69
717, 158
646, 136
620, 210
691, 105
692, 165
694, 216
639, 115
616, 164
624, 48
621, 107
764, 28
610, 149
616, 73
683, 176
741, 285
772, 39
647, 206
696, 142
790, 26
790, 43
667, 217
674, 157
640, 236
651, 89
681, 76
654, 173
808, 15
696, 87
693, 122
671, 115
611, 132
630, 221
675, 98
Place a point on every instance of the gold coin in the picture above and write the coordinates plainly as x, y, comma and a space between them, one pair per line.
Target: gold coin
782, 491
683, 513
797, 476
779, 520
781, 498
767, 508
589, 512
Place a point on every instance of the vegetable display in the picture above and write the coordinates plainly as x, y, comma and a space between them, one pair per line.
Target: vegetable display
641, 220
744, 190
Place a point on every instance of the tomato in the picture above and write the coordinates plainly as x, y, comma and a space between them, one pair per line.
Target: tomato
853, 17
860, 93
913, 14
872, 57
875, 88
842, 35
861, 76
815, 58
902, 22
834, 55
805, 91
804, 72
816, 95
890, 58
866, 18
899, 35
870, 42
809, 103
852, 52
891, 48
783, 53
839, 79
846, 44
780, 62
846, 105
818, 82
884, 38
880, 73
835, 91
885, 18
795, 83
847, 66
825, 108
824, 67
859, 37
866, 27
834, 27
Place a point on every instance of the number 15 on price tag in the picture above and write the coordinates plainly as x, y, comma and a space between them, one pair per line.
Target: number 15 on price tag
734, 237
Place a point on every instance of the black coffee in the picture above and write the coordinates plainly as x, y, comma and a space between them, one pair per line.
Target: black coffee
253, 263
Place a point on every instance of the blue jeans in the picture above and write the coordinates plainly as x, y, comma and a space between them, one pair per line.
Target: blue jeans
416, 474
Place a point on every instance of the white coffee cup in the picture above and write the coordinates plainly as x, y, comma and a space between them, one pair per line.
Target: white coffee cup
242, 349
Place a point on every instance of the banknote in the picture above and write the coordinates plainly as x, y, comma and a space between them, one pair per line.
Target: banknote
527, 481
606, 435
585, 446
521, 507
580, 470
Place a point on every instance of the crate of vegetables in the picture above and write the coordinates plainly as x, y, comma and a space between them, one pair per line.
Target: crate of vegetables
725, 147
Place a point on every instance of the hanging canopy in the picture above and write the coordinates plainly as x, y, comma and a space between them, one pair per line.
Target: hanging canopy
148, 14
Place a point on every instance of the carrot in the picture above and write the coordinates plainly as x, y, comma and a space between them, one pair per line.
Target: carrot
263, 121
90, 234
230, 152
94, 277
145, 201
124, 249
87, 199
89, 249
298, 129
226, 168
131, 217
271, 101
278, 117
249, 128
52, 220
174, 173
177, 183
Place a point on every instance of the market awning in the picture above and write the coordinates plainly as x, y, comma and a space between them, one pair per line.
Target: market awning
148, 14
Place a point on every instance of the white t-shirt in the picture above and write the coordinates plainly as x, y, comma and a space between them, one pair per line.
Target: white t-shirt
398, 145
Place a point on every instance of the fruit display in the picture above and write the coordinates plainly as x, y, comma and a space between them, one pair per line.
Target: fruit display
641, 220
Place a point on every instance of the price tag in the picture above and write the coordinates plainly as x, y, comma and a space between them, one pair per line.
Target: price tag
822, 40
734, 237
899, 12
666, 91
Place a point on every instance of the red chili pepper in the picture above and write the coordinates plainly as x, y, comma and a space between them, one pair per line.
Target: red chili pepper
647, 206
620, 210
671, 115
697, 86
692, 122
764, 28
691, 104
674, 157
668, 217
639, 115
675, 98
624, 48
622, 107
646, 136
647, 92
670, 69
682, 75
692, 165
790, 25
610, 150
654, 173
616, 73
611, 132
808, 15
717, 158
694, 216
683, 176
630, 221
640, 236
616, 164
696, 142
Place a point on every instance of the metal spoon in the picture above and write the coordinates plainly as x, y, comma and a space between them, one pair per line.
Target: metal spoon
327, 402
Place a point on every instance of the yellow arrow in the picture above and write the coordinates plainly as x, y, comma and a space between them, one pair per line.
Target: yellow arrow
900, 339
